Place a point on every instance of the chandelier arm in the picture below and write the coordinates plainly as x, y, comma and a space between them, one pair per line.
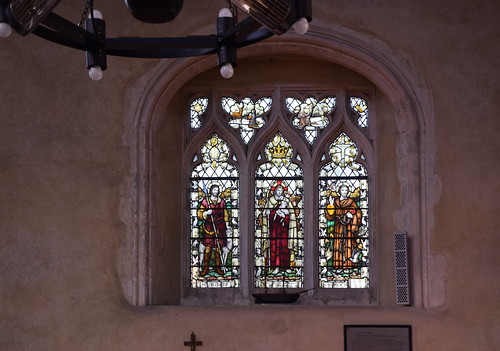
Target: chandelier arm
58, 38
243, 34
59, 30
254, 37
161, 47
64, 32
240, 30
165, 53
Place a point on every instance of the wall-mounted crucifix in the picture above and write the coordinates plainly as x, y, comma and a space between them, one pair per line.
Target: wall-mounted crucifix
193, 343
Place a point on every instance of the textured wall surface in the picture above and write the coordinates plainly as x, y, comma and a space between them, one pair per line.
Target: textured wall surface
64, 164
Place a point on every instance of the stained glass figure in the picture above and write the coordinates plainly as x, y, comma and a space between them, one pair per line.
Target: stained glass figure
279, 238
343, 218
246, 115
214, 215
359, 106
310, 115
197, 108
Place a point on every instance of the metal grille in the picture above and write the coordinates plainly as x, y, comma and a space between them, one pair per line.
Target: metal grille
28, 14
277, 15
401, 267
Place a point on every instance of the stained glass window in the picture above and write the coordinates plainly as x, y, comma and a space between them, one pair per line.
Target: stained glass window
310, 115
343, 218
197, 108
360, 107
214, 218
274, 224
279, 238
246, 115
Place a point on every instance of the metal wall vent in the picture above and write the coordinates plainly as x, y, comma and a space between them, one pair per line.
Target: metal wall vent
401, 267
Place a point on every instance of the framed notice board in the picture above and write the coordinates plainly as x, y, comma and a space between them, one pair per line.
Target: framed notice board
377, 338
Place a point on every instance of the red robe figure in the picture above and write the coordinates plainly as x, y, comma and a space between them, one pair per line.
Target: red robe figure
279, 222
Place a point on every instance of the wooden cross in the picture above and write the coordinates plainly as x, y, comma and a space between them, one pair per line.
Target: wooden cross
193, 343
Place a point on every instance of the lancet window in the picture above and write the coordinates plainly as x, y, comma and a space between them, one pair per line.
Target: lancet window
214, 218
279, 236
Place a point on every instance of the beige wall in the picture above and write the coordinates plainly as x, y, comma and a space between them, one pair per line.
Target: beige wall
65, 170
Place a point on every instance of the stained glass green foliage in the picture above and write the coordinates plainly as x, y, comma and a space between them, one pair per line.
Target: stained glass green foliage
310, 115
279, 238
360, 107
246, 115
197, 108
343, 218
214, 218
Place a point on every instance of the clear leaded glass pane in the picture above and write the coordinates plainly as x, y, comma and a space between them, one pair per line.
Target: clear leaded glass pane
359, 106
279, 238
310, 115
197, 108
214, 218
246, 115
343, 218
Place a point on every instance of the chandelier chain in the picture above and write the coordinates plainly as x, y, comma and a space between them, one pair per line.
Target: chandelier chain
89, 7
234, 11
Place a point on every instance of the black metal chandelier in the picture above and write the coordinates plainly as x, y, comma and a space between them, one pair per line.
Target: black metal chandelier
265, 19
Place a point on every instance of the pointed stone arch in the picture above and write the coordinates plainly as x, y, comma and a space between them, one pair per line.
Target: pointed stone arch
390, 71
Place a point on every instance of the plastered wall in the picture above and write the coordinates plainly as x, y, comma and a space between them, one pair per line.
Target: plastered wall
65, 170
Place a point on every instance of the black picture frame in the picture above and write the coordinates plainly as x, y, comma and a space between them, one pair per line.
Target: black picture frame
377, 338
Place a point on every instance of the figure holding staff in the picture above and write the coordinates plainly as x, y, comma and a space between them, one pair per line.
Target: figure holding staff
213, 216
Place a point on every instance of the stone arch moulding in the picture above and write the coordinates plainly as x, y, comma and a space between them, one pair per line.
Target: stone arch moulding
391, 73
